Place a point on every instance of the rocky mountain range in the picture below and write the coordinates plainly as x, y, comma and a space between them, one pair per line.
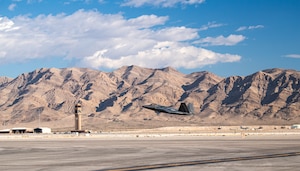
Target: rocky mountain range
115, 98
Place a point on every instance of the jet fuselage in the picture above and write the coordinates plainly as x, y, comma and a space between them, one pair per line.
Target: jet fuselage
169, 110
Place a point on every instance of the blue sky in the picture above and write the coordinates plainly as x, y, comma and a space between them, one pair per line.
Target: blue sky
234, 37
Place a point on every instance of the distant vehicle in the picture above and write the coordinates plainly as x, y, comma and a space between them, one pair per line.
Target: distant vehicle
183, 109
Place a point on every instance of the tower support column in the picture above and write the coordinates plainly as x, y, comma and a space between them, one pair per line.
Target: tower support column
78, 117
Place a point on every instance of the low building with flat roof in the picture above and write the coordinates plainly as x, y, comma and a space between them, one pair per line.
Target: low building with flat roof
5, 131
21, 130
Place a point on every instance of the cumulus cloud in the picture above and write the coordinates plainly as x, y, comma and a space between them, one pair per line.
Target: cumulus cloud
147, 21
6, 25
162, 3
292, 56
242, 28
221, 40
163, 54
106, 40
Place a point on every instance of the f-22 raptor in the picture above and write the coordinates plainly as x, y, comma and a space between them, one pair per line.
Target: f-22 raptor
183, 109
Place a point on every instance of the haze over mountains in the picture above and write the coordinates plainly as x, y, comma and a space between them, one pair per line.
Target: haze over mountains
115, 98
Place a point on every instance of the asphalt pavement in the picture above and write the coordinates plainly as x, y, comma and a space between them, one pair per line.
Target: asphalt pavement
151, 153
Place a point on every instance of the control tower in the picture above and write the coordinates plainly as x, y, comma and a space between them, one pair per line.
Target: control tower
78, 117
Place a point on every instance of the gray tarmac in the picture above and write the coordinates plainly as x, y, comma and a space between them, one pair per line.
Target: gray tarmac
132, 152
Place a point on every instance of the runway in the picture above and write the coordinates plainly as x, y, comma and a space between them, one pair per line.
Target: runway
201, 162
163, 153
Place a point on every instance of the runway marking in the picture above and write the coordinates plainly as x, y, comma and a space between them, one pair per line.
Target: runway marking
200, 162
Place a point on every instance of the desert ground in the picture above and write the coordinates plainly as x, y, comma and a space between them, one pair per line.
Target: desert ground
165, 148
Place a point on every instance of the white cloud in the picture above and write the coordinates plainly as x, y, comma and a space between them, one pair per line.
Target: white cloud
163, 54
242, 28
210, 25
255, 27
176, 34
6, 25
221, 40
106, 40
162, 3
147, 21
292, 56
12, 7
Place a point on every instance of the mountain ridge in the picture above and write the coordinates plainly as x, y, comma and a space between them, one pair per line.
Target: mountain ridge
268, 96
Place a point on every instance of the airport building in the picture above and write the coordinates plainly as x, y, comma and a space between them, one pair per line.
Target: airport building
43, 130
5, 131
295, 126
21, 130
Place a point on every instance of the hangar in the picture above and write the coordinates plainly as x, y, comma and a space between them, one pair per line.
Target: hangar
44, 130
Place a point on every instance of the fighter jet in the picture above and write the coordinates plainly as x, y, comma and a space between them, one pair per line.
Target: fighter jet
183, 109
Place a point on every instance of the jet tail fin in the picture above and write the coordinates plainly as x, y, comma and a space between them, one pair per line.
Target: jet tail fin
184, 108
